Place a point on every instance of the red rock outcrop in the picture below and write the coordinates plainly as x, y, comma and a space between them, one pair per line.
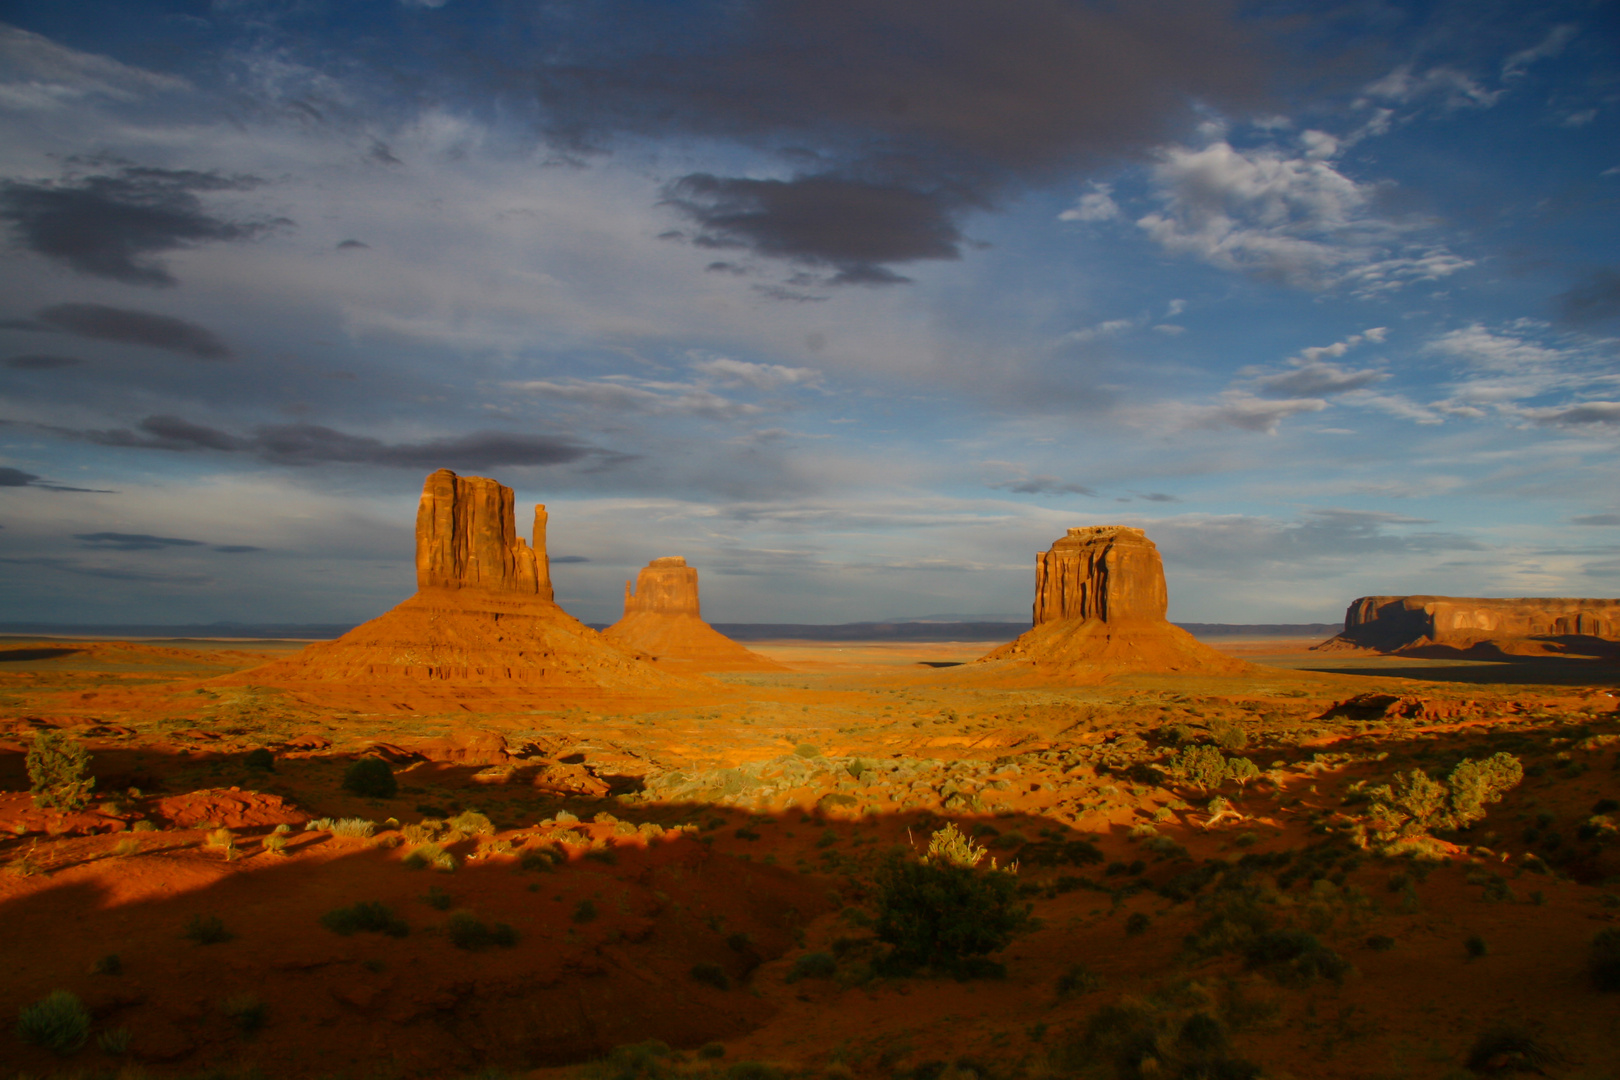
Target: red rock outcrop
1525, 626
483, 617
1100, 604
662, 617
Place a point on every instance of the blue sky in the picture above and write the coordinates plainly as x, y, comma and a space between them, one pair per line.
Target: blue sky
855, 305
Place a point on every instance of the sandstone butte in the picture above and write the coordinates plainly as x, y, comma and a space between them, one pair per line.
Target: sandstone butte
483, 616
1100, 604
662, 618
1524, 626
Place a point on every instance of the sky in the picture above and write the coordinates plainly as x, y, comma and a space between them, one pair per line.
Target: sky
856, 304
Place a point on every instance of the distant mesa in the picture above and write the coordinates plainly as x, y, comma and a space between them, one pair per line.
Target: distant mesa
662, 618
1445, 626
1100, 604
483, 616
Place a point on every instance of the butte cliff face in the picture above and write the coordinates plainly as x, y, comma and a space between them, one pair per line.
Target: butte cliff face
1517, 626
662, 618
1100, 604
482, 626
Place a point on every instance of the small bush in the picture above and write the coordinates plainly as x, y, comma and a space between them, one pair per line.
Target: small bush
58, 1021
371, 778
650, 1060
207, 930
1415, 804
469, 932
1603, 963
1137, 923
58, 772
1510, 1048
114, 1042
1475, 947
1380, 943
1295, 955
108, 965
1201, 766
437, 899
471, 823
275, 844
711, 1051
354, 827
816, 965
260, 759
246, 1011
369, 916
584, 911
712, 974
1079, 979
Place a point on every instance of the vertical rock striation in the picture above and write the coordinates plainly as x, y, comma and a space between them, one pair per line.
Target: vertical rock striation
466, 538
661, 618
1514, 626
1100, 604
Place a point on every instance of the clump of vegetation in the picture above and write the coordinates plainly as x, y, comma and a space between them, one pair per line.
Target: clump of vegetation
207, 930
1079, 979
1152, 1038
370, 916
815, 965
712, 974
260, 759
58, 772
471, 823
353, 827
469, 932
650, 1060
1603, 963
58, 1021
1204, 767
1415, 804
437, 899
1511, 1048
1137, 923
431, 855
114, 1042
1295, 956
108, 965
584, 911
1475, 947
246, 1011
371, 778
946, 910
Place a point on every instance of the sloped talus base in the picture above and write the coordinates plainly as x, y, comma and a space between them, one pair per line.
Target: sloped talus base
686, 642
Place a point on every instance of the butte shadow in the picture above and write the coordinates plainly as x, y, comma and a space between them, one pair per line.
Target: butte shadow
1100, 604
483, 631
662, 618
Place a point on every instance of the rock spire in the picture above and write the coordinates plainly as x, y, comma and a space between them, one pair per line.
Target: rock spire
466, 538
661, 617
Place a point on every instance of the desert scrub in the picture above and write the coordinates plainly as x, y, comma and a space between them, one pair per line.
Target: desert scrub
1150, 1038
58, 1021
58, 772
246, 1011
471, 823
354, 827
1509, 1049
207, 930
815, 965
945, 909
467, 931
1415, 803
370, 916
584, 911
437, 899
1294, 956
711, 974
430, 855
1079, 979
114, 1042
371, 778
261, 759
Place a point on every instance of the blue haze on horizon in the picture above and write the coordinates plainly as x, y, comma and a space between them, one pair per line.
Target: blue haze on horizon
856, 305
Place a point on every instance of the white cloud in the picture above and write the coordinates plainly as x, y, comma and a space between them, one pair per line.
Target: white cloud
40, 74
1550, 46
616, 394
1456, 89
1096, 205
1232, 409
1319, 379
1297, 220
1606, 413
1101, 330
758, 376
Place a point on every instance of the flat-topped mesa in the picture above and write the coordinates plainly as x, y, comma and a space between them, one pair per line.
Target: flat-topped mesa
1532, 624
1100, 604
1106, 572
667, 586
466, 537
661, 618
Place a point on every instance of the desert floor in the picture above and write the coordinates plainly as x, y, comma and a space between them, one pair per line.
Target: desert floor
662, 870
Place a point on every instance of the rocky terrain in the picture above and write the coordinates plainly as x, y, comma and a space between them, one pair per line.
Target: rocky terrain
474, 838
1458, 625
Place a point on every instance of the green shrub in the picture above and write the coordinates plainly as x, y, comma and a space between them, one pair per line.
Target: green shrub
584, 911
108, 965
471, 823
712, 974
207, 930
356, 827
437, 899
469, 932
58, 1021
711, 1051
1201, 766
1295, 955
246, 1011
1603, 963
1137, 923
1511, 1048
370, 916
1475, 947
114, 1042
261, 759
1079, 979
650, 1060
1415, 803
944, 910
371, 778
58, 772
816, 965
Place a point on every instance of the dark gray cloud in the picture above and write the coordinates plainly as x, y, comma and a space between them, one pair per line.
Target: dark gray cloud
313, 444
41, 362
1595, 299
1318, 380
110, 573
352, 245
1042, 485
823, 220
569, 559
127, 327
17, 478
1596, 519
112, 225
117, 541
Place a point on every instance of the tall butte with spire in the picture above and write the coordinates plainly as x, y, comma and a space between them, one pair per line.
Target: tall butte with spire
482, 625
662, 617
1100, 604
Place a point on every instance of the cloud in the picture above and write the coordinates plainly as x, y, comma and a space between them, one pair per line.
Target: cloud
1364, 518
853, 226
1236, 409
1292, 220
111, 225
1595, 299
1311, 380
1596, 519
764, 377
41, 362
653, 398
17, 478
1102, 329
1548, 47
1042, 485
313, 444
1455, 89
117, 541
110, 573
41, 74
1096, 205
1603, 413
127, 327
569, 559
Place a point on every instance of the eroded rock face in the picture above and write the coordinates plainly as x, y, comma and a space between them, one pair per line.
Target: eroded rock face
1392, 623
466, 538
1100, 603
666, 586
1106, 572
